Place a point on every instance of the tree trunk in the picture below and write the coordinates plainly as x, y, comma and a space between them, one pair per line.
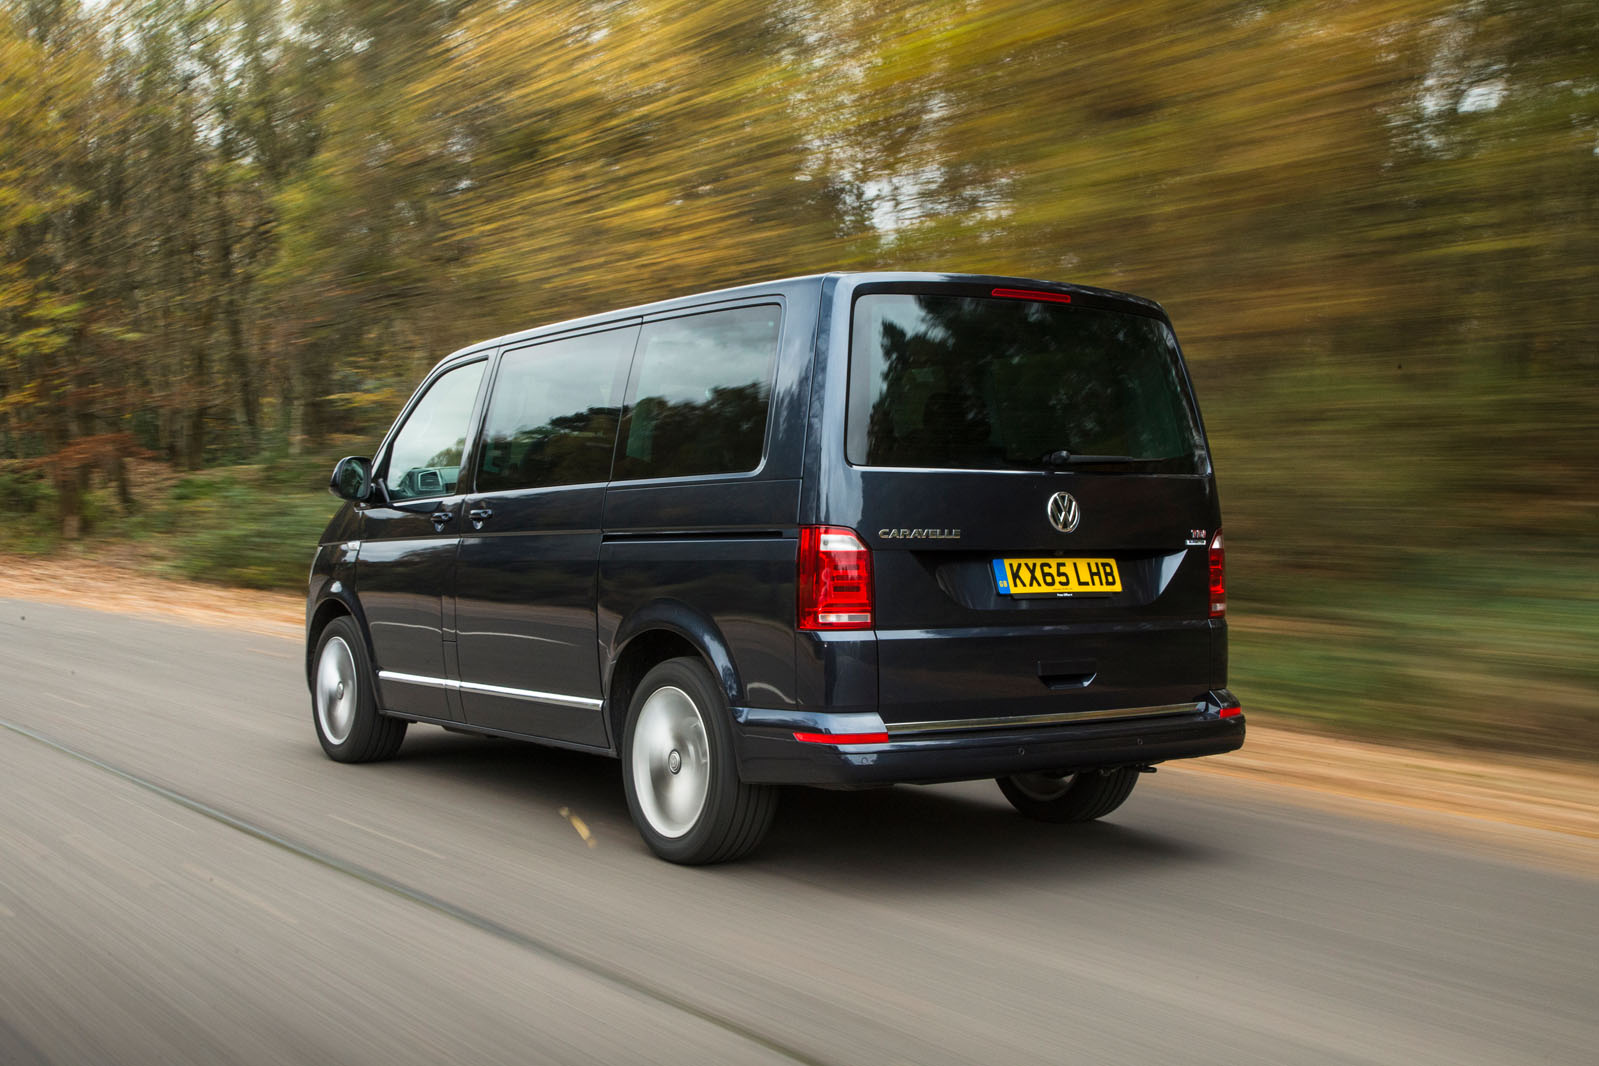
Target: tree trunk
312, 390
228, 285
69, 502
294, 404
244, 374
119, 473
194, 430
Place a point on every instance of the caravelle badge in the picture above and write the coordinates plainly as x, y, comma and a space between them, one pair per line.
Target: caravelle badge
1063, 512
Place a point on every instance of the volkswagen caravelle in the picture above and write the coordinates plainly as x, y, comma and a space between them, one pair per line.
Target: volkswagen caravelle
843, 530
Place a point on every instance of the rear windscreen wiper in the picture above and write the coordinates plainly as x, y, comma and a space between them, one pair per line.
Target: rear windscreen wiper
1062, 457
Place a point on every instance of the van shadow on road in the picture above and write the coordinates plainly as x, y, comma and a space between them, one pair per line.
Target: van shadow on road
906, 837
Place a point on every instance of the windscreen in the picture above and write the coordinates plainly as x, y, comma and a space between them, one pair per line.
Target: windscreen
947, 381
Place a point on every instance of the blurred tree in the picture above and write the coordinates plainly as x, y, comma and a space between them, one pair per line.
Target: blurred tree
617, 153
363, 284
1498, 170
55, 408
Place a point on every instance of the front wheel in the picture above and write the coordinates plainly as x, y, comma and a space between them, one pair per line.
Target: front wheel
344, 703
680, 773
1079, 797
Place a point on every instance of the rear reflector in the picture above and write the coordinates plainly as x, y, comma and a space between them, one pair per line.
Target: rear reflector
1230, 712
834, 583
1218, 577
1033, 294
842, 738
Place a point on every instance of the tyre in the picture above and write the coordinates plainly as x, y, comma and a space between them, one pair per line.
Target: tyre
680, 773
344, 699
1079, 797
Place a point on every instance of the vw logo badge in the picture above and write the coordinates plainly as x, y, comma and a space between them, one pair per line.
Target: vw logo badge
1063, 512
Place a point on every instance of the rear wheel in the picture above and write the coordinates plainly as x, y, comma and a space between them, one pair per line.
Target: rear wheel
1079, 797
680, 773
344, 702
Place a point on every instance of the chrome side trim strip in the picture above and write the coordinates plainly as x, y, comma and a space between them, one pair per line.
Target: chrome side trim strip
415, 679
951, 725
530, 695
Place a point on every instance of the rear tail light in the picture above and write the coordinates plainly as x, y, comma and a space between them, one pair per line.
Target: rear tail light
1218, 577
835, 579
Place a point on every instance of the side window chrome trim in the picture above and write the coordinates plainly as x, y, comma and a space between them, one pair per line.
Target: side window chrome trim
518, 344
556, 331
733, 304
736, 475
499, 494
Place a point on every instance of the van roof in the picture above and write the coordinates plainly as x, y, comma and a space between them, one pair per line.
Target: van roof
854, 278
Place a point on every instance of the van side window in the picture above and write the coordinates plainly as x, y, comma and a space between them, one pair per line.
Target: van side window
701, 392
552, 418
425, 459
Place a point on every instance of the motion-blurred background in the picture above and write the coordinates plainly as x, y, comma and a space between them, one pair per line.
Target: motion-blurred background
233, 234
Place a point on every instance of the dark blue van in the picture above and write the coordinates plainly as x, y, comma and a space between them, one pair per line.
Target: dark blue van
842, 530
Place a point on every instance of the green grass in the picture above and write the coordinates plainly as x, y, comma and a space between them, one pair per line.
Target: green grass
251, 526
26, 496
1412, 552
1467, 650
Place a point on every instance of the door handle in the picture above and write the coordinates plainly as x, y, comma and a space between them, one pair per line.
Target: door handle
479, 515
441, 519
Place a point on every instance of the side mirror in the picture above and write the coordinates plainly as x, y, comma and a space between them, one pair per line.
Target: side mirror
352, 478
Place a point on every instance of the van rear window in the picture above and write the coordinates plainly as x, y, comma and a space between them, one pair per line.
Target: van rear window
947, 381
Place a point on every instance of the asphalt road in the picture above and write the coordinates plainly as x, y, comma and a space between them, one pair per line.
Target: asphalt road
184, 878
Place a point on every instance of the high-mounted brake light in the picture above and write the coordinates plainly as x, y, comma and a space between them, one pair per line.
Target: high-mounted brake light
1033, 294
842, 738
1218, 577
834, 586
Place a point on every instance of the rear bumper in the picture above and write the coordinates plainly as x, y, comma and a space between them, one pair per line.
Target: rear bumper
769, 754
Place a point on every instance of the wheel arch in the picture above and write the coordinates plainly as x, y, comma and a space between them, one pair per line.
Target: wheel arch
336, 602
657, 632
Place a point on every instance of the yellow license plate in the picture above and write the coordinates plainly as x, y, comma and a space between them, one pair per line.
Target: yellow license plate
1057, 577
